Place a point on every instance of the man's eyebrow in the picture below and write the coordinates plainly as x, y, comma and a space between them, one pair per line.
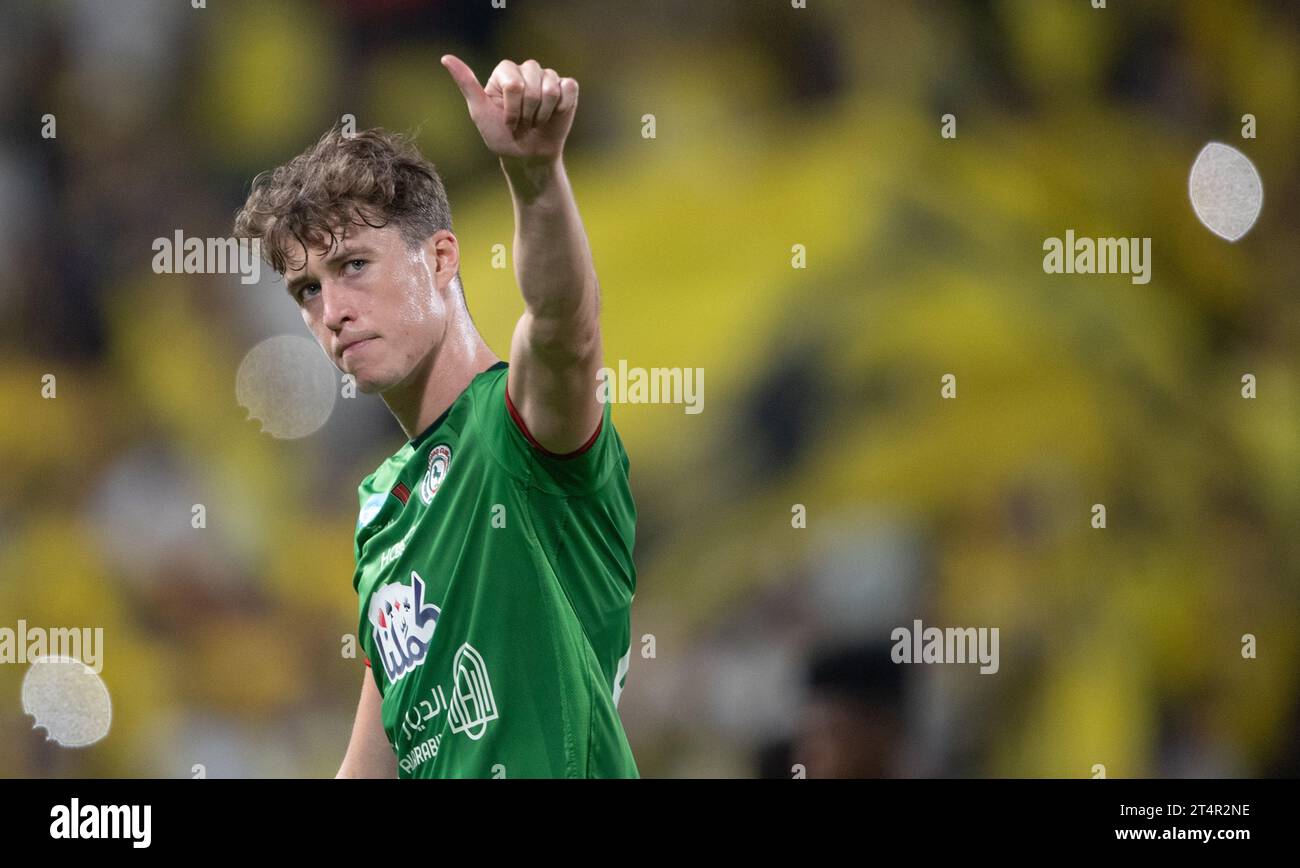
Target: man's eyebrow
293, 284
346, 251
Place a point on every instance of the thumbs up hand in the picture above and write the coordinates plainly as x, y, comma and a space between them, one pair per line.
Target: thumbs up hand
524, 112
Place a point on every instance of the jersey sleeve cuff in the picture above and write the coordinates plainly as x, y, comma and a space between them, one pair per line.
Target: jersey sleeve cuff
532, 441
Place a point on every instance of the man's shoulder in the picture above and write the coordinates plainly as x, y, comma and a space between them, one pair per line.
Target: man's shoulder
375, 488
383, 476
487, 382
503, 431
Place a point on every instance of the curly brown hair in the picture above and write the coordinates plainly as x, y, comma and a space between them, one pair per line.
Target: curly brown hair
372, 178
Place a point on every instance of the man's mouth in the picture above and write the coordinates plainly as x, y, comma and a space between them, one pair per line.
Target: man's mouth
354, 346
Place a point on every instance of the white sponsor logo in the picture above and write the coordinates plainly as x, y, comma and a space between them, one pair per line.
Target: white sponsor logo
472, 703
471, 707
395, 551
403, 624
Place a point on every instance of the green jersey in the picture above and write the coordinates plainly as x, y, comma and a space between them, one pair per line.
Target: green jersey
495, 583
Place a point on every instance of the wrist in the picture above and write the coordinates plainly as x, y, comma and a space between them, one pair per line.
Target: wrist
532, 176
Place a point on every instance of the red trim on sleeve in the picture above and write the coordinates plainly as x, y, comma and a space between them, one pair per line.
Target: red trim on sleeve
367, 659
523, 429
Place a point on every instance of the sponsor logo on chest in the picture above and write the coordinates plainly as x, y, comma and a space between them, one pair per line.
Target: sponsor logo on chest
396, 550
403, 622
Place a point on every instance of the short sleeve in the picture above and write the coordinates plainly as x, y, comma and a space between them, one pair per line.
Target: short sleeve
578, 472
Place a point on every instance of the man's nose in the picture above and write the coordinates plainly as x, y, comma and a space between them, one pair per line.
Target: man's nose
337, 306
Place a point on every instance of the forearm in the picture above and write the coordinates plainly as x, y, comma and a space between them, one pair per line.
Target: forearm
369, 755
553, 263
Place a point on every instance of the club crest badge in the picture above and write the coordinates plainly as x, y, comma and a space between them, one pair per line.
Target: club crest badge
439, 464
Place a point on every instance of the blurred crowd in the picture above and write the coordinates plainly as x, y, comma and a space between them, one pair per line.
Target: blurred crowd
761, 648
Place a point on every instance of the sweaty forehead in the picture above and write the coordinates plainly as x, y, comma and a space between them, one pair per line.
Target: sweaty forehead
321, 246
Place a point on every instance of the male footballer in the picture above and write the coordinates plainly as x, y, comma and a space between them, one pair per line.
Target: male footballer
493, 550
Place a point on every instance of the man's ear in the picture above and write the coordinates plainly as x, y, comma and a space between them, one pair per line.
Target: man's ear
443, 248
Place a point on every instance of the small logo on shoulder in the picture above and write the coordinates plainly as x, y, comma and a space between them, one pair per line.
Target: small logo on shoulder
370, 509
439, 464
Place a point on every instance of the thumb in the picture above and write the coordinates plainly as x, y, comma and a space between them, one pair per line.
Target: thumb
464, 78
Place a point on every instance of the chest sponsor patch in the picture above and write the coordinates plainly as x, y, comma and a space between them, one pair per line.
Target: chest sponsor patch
403, 622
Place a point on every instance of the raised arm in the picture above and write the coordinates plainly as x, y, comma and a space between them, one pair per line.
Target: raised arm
524, 115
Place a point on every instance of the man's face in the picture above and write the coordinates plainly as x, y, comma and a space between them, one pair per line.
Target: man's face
377, 308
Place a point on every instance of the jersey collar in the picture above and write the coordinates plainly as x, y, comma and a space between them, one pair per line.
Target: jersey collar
418, 439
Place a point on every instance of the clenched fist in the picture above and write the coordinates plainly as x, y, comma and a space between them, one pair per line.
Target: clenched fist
524, 113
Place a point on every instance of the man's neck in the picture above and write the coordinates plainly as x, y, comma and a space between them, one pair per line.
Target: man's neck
441, 380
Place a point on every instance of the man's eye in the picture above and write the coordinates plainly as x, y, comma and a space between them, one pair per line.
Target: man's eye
302, 293
358, 263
